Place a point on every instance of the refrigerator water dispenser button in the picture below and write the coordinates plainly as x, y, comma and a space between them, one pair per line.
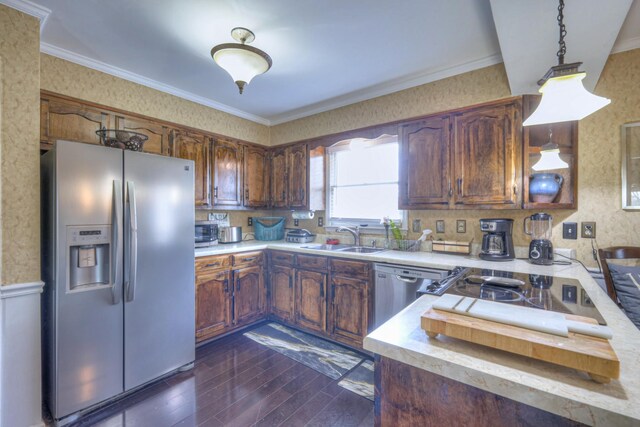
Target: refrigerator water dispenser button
87, 257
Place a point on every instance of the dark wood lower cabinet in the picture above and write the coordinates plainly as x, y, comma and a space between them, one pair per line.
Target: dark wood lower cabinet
213, 304
248, 298
311, 302
348, 309
408, 396
228, 298
281, 279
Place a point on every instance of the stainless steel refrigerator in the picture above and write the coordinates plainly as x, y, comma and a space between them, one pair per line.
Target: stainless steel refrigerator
118, 266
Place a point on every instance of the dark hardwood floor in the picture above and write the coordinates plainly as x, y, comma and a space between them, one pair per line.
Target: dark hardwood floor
238, 382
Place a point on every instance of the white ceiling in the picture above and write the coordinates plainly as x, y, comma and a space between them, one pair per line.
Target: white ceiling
325, 54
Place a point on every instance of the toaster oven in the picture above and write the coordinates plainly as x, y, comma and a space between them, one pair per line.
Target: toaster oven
206, 233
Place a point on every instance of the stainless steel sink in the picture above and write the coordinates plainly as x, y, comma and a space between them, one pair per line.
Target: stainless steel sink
344, 248
326, 247
362, 249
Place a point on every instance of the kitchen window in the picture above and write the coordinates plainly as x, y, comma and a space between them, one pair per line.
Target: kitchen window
363, 182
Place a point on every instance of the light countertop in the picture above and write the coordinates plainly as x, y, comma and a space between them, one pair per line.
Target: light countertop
553, 388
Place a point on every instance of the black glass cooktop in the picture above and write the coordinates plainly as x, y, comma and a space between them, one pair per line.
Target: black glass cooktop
543, 292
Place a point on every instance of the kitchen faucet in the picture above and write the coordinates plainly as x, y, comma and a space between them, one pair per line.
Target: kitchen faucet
355, 232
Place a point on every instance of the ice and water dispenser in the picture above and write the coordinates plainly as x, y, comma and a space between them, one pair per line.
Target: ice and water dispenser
89, 257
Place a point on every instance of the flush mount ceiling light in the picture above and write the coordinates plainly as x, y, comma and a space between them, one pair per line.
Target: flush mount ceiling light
241, 61
564, 97
550, 157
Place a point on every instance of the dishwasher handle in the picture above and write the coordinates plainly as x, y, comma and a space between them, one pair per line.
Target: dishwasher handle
406, 279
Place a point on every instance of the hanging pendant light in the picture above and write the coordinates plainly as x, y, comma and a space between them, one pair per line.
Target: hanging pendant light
550, 157
241, 61
564, 97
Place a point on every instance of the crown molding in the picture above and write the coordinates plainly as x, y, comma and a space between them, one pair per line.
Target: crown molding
35, 10
625, 45
67, 55
386, 88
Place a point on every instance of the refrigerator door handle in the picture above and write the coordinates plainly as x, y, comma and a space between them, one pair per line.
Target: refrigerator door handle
133, 242
116, 241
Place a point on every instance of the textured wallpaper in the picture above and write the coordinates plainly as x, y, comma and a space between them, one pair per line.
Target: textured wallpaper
20, 164
599, 173
486, 84
67, 78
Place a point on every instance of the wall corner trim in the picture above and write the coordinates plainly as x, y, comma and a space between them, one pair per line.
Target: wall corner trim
30, 8
21, 289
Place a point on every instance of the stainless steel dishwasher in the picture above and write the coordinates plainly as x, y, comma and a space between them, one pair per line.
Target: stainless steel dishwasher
396, 286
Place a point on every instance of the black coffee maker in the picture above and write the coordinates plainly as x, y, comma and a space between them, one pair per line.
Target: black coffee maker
497, 242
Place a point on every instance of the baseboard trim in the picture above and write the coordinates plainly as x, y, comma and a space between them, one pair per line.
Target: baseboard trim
21, 289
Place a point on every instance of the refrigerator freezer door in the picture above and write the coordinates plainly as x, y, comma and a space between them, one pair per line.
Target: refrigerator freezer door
159, 266
88, 345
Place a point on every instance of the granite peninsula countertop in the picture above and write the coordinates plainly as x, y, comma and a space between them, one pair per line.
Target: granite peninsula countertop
552, 388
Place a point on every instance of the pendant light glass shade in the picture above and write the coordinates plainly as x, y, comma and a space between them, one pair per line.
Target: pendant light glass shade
550, 160
564, 98
242, 62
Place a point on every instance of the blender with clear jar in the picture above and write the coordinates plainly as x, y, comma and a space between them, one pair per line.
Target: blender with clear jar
539, 226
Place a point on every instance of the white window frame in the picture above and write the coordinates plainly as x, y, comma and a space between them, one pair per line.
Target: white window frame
370, 224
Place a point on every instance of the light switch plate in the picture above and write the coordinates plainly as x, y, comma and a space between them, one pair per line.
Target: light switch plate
440, 226
570, 230
416, 227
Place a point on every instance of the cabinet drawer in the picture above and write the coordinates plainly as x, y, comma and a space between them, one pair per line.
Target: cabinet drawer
350, 268
247, 259
282, 258
312, 262
210, 263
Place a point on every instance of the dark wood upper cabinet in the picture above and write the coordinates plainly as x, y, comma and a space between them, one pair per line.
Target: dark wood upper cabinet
62, 119
227, 173
425, 175
256, 177
311, 302
348, 309
297, 162
213, 304
196, 147
279, 185
487, 157
158, 142
281, 279
249, 294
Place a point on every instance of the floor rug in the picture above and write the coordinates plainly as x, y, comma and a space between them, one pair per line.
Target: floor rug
325, 357
360, 380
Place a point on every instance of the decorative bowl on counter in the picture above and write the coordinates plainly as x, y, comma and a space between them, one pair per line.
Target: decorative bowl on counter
124, 139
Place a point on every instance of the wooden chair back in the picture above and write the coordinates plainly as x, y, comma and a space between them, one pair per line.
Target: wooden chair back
615, 252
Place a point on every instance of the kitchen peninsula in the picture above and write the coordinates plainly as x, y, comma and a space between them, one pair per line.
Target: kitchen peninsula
533, 389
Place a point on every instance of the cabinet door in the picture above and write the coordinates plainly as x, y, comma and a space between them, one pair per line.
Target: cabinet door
213, 304
249, 294
71, 121
349, 309
158, 142
297, 170
279, 187
196, 147
425, 167
227, 173
311, 303
281, 281
256, 177
488, 157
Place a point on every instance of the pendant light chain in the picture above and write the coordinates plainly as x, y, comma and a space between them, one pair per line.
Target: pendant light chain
562, 47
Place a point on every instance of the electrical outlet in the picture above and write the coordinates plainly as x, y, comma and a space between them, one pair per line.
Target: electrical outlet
588, 230
250, 221
296, 222
320, 221
416, 227
570, 230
